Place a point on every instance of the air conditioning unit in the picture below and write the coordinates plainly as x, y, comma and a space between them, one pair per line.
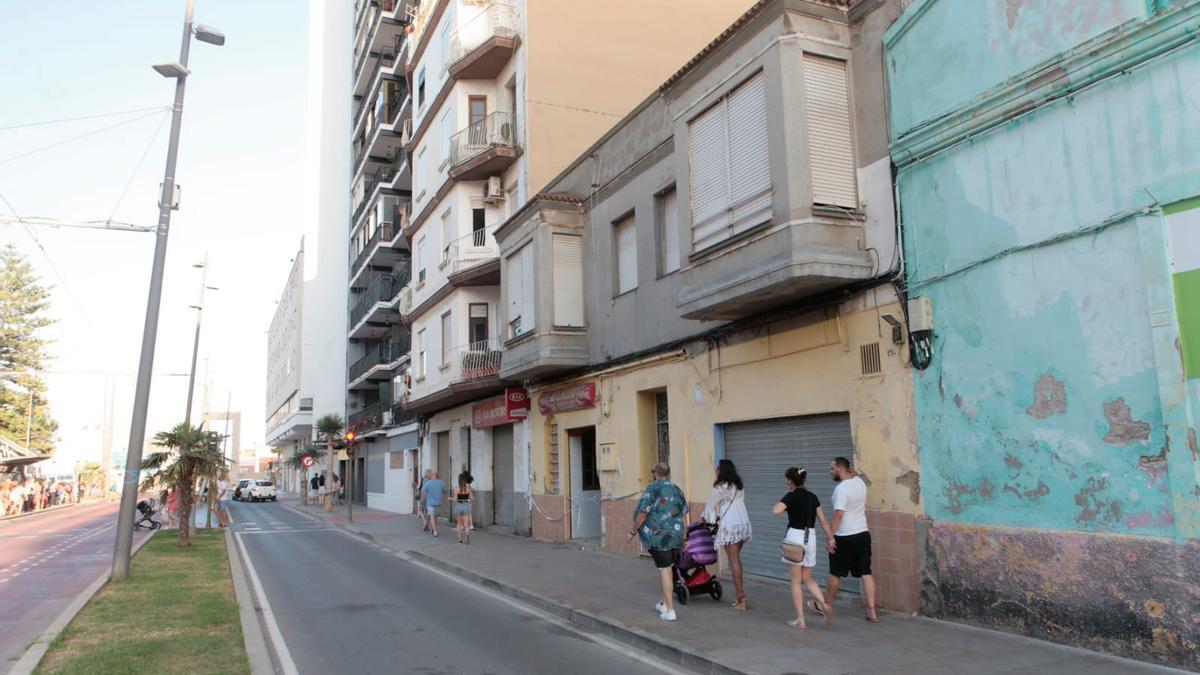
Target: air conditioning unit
493, 192
405, 300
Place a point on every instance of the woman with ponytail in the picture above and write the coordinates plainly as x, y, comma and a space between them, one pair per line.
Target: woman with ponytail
803, 510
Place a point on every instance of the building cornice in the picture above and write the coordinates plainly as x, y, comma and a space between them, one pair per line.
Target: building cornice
1110, 54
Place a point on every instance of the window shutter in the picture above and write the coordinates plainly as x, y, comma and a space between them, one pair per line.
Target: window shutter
447, 233
708, 159
749, 159
528, 292
670, 232
626, 236
447, 338
516, 277
568, 280
830, 147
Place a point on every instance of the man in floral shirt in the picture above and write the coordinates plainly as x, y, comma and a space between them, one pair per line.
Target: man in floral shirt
659, 523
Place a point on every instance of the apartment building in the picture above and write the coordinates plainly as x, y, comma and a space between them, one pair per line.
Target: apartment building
501, 97
712, 279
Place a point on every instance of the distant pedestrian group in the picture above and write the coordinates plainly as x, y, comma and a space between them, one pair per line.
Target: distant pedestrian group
660, 524
19, 496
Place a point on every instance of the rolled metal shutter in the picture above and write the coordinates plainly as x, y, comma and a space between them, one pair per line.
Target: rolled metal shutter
830, 144
568, 279
502, 474
749, 156
708, 159
762, 451
627, 276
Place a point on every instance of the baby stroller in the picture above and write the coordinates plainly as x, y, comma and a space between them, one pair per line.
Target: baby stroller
145, 516
691, 577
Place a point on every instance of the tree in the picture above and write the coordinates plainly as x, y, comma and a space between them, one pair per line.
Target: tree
90, 475
24, 304
330, 428
188, 454
296, 462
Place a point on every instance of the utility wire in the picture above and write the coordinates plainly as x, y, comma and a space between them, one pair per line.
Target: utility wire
81, 136
61, 280
83, 117
575, 108
137, 168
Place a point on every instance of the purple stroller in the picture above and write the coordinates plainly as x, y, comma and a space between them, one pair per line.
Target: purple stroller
691, 577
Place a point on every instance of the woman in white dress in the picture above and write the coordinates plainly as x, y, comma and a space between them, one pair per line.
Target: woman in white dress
727, 508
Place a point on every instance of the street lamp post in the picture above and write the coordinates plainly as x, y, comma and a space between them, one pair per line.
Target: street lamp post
166, 203
199, 307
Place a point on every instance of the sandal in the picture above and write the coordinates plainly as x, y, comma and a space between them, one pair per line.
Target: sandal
797, 623
818, 609
871, 619
739, 604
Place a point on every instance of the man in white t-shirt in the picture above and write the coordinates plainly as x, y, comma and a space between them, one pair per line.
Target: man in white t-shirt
850, 550
224, 491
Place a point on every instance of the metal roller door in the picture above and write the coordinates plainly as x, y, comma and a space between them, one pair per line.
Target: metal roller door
502, 474
762, 451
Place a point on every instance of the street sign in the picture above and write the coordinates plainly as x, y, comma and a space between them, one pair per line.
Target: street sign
308, 461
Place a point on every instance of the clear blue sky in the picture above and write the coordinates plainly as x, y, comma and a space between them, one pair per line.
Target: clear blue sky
241, 169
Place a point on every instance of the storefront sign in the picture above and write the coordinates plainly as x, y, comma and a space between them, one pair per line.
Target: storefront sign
566, 399
511, 407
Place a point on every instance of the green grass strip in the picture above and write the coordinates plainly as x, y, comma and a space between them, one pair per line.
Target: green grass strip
176, 612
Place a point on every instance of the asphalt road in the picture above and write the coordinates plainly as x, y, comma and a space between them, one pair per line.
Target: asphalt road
45, 562
344, 604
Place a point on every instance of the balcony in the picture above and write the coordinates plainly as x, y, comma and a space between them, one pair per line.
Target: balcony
377, 33
486, 148
400, 416
475, 362
782, 264
385, 224
366, 420
378, 363
484, 44
371, 312
473, 260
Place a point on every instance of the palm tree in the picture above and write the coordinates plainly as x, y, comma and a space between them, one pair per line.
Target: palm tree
296, 462
188, 453
329, 427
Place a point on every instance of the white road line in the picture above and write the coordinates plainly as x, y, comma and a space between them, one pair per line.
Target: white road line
610, 643
285, 657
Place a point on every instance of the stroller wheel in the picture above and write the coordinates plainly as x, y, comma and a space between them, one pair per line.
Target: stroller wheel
681, 594
716, 590
154, 525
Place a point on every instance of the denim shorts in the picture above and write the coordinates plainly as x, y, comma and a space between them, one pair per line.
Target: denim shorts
461, 508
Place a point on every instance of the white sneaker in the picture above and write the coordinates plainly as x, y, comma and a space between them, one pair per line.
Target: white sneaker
667, 616
660, 606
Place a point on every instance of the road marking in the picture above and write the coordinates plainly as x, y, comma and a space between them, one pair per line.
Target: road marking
326, 529
285, 657
617, 646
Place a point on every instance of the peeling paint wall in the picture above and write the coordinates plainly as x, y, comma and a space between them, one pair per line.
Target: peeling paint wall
1056, 401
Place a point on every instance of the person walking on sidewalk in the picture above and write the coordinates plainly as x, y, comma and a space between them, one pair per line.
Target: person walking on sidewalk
463, 494
726, 508
803, 510
222, 505
659, 522
419, 492
432, 493
850, 549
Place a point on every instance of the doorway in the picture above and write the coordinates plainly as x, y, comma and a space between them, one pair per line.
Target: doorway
443, 468
585, 485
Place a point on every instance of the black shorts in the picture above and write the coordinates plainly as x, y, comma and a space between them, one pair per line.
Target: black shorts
852, 556
664, 558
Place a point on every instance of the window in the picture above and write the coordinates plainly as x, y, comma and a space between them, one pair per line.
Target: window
421, 362
668, 219
420, 180
477, 323
447, 234
568, 280
730, 165
444, 40
662, 432
827, 116
478, 108
420, 255
520, 291
625, 236
478, 227
420, 88
447, 346
447, 131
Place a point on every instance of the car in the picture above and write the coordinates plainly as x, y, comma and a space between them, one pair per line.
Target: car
261, 490
240, 492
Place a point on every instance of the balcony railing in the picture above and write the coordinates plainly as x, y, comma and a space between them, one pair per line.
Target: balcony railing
474, 249
380, 290
495, 130
400, 416
496, 20
381, 354
367, 419
476, 361
388, 221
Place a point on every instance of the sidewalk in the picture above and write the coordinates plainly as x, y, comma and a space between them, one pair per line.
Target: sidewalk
615, 595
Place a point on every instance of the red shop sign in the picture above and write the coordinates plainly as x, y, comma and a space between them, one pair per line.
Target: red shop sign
513, 406
566, 399
516, 401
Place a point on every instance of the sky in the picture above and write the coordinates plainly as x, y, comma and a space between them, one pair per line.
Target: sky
240, 168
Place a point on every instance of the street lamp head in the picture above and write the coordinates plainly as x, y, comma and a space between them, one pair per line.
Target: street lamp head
209, 34
171, 70
198, 265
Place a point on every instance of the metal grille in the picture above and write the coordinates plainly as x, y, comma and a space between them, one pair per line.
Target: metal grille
762, 451
869, 357
662, 431
502, 474
553, 473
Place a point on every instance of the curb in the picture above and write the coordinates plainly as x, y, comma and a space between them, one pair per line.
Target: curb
252, 635
33, 656
651, 644
52, 509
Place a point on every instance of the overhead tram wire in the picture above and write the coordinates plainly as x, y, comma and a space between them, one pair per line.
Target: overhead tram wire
137, 168
83, 117
46, 255
81, 136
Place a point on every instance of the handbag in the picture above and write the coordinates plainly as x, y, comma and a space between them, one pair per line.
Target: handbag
793, 552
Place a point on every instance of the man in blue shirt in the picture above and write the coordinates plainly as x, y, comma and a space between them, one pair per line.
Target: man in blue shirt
432, 493
659, 522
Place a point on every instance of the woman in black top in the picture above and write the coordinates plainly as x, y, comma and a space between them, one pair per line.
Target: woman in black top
803, 509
